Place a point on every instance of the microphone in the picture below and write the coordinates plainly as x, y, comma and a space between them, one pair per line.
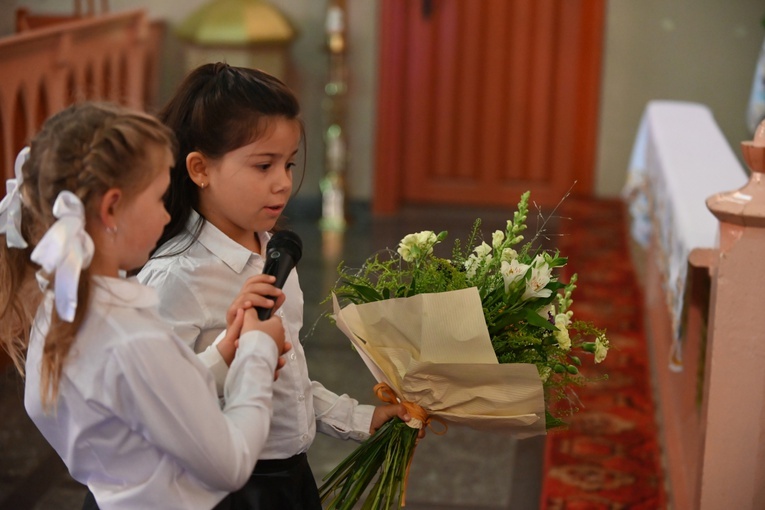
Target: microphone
282, 254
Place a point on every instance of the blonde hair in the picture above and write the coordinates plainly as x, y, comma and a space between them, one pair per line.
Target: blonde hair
87, 149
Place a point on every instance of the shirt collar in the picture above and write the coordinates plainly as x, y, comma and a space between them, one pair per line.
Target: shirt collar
127, 292
219, 244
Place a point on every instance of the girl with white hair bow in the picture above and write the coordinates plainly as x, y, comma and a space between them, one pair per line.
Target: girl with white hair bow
84, 208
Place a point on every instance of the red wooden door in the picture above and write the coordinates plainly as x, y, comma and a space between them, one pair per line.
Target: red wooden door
482, 100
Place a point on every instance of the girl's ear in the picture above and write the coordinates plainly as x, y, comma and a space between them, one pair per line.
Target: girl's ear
108, 209
196, 166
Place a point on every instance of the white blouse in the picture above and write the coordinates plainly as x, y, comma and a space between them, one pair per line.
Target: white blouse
196, 288
137, 417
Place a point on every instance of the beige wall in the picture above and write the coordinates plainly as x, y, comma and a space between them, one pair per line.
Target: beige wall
701, 50
308, 62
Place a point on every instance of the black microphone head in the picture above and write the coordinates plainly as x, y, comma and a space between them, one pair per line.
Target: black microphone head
285, 242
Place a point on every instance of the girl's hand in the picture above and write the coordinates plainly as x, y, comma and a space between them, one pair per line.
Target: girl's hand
281, 361
257, 291
227, 346
272, 327
387, 412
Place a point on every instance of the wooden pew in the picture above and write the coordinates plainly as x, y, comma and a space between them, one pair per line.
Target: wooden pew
109, 56
56, 60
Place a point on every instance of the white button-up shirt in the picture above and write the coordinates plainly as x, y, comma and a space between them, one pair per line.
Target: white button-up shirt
137, 417
197, 286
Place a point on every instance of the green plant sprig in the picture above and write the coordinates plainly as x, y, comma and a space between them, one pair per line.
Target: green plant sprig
389, 452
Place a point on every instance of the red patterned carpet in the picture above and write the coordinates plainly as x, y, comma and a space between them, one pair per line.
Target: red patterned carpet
609, 457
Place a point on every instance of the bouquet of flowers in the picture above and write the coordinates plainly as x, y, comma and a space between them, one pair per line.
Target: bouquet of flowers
486, 339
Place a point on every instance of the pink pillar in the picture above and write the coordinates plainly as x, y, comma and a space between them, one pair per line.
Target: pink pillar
733, 414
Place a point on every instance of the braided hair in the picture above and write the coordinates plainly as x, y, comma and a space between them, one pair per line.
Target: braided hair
87, 148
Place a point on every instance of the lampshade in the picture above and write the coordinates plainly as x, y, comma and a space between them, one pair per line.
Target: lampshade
237, 23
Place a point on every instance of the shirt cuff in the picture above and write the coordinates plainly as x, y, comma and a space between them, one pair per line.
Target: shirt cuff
340, 416
262, 342
362, 422
216, 364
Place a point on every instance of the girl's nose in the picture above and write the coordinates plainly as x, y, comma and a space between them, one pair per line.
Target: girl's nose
284, 179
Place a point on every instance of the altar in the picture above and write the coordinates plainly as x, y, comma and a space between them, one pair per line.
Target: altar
679, 159
680, 163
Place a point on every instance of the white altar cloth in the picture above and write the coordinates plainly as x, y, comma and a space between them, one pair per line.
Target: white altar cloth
679, 159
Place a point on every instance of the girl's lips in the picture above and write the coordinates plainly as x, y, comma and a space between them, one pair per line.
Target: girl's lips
274, 209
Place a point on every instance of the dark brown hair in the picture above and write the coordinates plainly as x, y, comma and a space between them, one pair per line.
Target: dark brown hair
216, 109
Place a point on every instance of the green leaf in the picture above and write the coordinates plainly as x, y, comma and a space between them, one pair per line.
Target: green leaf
535, 319
367, 293
552, 422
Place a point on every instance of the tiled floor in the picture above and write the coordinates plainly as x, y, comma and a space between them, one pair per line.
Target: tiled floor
463, 469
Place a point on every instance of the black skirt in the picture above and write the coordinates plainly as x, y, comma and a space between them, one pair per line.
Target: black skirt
90, 503
280, 484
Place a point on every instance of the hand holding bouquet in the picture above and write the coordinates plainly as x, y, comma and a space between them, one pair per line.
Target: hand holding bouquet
485, 339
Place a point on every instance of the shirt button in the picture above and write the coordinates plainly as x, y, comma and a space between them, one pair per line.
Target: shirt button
293, 355
304, 437
301, 398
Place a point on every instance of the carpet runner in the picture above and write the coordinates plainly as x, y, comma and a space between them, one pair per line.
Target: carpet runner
610, 456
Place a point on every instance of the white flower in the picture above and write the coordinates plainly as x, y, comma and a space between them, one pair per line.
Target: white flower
512, 272
508, 254
415, 246
471, 265
481, 255
496, 238
535, 285
562, 336
547, 311
426, 238
483, 251
538, 260
601, 348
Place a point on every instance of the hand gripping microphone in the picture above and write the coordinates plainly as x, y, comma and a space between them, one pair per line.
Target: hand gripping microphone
282, 254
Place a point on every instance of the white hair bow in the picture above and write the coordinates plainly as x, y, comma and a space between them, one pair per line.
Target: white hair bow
10, 207
65, 249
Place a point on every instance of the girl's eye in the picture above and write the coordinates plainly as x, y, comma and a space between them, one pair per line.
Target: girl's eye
290, 165
263, 166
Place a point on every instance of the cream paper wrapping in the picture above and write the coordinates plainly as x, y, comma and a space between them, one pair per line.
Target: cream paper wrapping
434, 350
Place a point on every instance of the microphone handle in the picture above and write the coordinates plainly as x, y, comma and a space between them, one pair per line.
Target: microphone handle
281, 268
